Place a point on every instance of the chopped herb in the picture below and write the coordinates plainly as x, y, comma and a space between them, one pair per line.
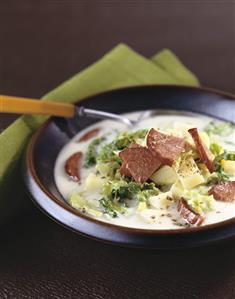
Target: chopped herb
216, 149
108, 152
116, 192
108, 169
109, 207
226, 155
91, 154
216, 178
125, 139
222, 176
220, 173
122, 189
230, 156
148, 189
219, 128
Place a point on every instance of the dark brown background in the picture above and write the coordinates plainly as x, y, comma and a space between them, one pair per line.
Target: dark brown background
42, 44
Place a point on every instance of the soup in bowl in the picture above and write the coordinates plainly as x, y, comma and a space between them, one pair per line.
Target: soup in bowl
167, 182
168, 171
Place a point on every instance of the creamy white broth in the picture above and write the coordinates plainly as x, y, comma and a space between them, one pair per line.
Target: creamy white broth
154, 218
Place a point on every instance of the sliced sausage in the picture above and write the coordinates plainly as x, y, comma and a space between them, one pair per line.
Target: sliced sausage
166, 147
73, 165
88, 135
188, 214
224, 191
204, 152
139, 162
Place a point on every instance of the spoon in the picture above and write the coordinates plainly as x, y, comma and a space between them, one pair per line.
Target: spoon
10, 104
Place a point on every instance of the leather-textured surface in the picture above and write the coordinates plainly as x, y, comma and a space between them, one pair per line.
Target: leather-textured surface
40, 259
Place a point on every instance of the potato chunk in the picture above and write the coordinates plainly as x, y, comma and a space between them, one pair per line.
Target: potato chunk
228, 166
166, 175
189, 174
93, 183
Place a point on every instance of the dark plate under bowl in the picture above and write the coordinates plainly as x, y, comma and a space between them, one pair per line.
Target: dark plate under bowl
51, 137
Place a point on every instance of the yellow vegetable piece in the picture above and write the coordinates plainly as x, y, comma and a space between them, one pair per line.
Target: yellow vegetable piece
204, 170
228, 166
205, 138
189, 174
142, 206
93, 183
166, 175
162, 200
177, 190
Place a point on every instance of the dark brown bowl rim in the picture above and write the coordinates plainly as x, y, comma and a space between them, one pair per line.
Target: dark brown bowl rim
32, 171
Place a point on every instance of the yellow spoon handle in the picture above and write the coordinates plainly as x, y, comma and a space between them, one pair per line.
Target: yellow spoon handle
9, 104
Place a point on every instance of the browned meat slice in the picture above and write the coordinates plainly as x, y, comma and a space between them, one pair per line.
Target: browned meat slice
139, 162
223, 191
124, 170
204, 152
72, 166
167, 148
88, 135
188, 214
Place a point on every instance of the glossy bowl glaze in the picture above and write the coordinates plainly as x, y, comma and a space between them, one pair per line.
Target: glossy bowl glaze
54, 134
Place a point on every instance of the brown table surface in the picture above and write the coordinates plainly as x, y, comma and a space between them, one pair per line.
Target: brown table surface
43, 44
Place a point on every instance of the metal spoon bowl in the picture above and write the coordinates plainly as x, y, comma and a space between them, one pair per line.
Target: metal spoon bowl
81, 111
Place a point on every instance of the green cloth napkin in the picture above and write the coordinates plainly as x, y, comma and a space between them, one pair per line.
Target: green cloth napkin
118, 68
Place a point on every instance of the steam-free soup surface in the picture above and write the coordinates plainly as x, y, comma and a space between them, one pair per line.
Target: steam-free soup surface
102, 192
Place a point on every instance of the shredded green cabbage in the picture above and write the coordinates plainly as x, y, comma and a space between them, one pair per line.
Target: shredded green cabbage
220, 173
216, 149
219, 128
108, 153
110, 207
90, 157
115, 194
78, 202
200, 203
